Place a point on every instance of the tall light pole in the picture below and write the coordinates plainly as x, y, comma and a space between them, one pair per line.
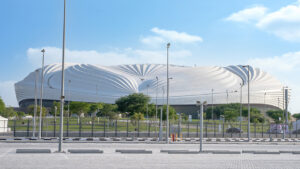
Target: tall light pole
286, 107
41, 97
167, 132
35, 102
147, 103
156, 105
62, 97
248, 100
212, 104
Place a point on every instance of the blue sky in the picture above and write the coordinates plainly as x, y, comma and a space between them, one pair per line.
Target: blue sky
264, 33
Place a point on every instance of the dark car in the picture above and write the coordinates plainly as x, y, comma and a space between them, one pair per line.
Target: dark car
234, 130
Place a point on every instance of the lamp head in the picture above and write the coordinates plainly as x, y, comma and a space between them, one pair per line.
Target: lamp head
43, 50
168, 45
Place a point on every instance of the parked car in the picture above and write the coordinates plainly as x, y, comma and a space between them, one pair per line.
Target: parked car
234, 130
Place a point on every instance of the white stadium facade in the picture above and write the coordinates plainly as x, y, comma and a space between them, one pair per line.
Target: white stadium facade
95, 83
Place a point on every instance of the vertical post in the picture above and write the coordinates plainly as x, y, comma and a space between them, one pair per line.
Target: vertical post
42, 122
116, 128
28, 128
160, 124
296, 129
93, 127
41, 92
286, 109
206, 129
201, 126
149, 125
156, 105
241, 107
138, 130
54, 128
197, 133
262, 130
15, 123
223, 129
127, 129
68, 127
270, 131
255, 130
62, 85
167, 130
35, 102
104, 128
80, 127
214, 128
276, 130
212, 104
188, 129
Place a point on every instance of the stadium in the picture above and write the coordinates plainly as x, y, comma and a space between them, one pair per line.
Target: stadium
96, 83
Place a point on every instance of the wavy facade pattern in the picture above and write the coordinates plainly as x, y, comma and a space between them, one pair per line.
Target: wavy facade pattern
95, 83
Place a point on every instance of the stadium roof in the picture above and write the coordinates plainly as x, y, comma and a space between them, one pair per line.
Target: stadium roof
95, 83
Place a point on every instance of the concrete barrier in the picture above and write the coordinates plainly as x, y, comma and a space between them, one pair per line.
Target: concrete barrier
33, 151
225, 152
134, 151
266, 152
85, 151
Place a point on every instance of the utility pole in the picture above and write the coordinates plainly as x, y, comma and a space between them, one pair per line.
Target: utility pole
35, 102
62, 97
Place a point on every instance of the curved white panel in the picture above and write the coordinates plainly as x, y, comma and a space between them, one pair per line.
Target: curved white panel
95, 83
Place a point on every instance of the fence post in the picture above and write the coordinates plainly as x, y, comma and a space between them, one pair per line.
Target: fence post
138, 129
188, 135
223, 129
67, 127
296, 129
197, 129
290, 129
80, 127
127, 129
276, 130
93, 127
42, 127
28, 128
116, 128
149, 125
255, 130
15, 123
262, 130
104, 128
206, 129
214, 129
54, 128
270, 130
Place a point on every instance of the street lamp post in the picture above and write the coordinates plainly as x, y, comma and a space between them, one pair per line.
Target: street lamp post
167, 131
248, 80
35, 102
62, 98
41, 97
69, 87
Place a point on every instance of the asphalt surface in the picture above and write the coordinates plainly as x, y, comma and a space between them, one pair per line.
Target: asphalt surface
110, 159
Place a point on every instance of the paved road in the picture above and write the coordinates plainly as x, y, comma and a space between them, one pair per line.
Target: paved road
112, 160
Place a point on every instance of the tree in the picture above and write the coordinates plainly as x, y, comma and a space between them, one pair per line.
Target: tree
137, 117
79, 107
9, 112
2, 106
109, 110
172, 113
276, 114
20, 114
230, 115
297, 116
134, 103
95, 107
30, 110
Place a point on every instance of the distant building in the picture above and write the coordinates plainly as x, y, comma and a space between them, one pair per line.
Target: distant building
95, 83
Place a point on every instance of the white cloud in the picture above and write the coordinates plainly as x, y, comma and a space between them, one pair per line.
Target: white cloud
284, 23
7, 93
164, 36
287, 62
249, 14
115, 57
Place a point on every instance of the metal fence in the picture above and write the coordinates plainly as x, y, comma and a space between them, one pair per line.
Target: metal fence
98, 127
